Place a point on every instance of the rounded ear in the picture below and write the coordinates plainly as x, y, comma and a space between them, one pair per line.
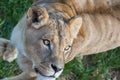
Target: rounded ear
37, 16
75, 24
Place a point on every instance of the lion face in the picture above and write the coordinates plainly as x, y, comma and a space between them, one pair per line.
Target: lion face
48, 38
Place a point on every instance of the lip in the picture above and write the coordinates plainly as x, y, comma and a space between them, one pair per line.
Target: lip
44, 77
40, 77
52, 76
39, 72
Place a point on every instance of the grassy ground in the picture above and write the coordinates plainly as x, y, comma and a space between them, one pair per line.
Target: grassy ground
94, 67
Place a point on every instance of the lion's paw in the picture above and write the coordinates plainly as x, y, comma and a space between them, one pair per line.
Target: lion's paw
7, 51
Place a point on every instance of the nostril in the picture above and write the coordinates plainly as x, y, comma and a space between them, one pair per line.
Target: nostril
55, 68
36, 70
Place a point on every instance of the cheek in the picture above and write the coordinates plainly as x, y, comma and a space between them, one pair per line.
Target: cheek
41, 53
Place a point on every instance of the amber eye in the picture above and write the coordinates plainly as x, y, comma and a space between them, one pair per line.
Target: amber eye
46, 42
67, 48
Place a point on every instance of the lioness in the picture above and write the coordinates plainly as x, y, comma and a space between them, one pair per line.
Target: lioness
53, 32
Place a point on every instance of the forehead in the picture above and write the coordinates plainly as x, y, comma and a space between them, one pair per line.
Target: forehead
45, 31
56, 26
48, 31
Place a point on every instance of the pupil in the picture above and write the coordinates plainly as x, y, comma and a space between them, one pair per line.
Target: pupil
46, 42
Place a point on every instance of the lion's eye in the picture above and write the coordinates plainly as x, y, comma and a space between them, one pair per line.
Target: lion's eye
67, 48
46, 42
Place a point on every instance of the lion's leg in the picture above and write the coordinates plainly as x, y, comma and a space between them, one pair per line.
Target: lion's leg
3, 43
7, 51
23, 76
26, 66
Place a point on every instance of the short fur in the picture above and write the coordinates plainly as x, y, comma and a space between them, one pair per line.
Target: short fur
73, 27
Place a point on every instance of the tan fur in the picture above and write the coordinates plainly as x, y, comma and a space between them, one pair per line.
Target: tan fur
74, 27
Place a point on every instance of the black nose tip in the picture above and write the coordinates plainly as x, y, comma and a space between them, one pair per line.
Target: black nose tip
55, 68
36, 70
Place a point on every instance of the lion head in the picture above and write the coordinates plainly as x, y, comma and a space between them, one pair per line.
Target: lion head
49, 37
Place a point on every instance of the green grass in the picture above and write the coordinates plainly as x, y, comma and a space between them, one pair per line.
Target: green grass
10, 13
93, 67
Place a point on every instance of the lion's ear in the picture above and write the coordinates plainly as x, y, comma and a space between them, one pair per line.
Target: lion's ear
37, 16
75, 24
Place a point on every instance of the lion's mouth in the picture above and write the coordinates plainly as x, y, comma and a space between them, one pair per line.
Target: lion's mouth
39, 72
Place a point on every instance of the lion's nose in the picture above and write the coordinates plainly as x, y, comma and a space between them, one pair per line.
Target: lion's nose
56, 68
36, 70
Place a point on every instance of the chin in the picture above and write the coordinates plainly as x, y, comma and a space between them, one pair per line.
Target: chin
40, 77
